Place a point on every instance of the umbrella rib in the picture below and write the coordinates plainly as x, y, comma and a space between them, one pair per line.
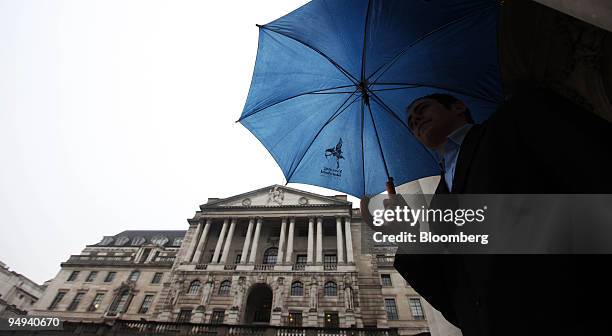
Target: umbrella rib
338, 66
331, 118
365, 35
398, 88
299, 95
390, 111
402, 52
362, 151
437, 87
382, 154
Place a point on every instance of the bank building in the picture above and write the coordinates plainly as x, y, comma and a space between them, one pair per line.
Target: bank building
274, 261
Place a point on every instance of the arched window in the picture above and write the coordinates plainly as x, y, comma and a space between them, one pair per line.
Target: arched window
224, 288
331, 289
194, 287
270, 255
297, 289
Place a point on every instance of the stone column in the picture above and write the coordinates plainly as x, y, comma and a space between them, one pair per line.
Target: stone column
339, 240
349, 240
255, 242
193, 244
247, 242
319, 239
202, 242
228, 242
309, 258
281, 242
219, 242
289, 257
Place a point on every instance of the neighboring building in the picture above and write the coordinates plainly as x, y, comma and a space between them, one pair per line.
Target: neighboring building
18, 294
276, 256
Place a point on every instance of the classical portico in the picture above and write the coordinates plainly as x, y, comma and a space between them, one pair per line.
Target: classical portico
274, 228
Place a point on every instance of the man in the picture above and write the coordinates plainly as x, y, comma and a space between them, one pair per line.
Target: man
535, 143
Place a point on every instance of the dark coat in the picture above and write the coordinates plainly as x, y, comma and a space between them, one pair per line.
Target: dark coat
536, 143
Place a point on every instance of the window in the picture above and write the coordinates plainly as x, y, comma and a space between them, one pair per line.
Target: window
391, 309
95, 304
184, 316
294, 319
301, 259
330, 262
145, 255
58, 298
270, 255
330, 289
177, 241
121, 303
157, 277
194, 287
416, 309
217, 316
75, 302
159, 240
331, 320
386, 280
297, 289
146, 304
92, 276
237, 260
224, 288
110, 276
73, 276
134, 276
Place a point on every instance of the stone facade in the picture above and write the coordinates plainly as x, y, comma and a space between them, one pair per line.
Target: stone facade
275, 256
18, 294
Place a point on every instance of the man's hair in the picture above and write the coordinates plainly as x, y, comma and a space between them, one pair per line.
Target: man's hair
447, 101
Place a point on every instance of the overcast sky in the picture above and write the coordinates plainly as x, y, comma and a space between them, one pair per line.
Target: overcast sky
119, 115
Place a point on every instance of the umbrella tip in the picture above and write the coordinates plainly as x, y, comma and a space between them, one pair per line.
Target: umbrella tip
258, 25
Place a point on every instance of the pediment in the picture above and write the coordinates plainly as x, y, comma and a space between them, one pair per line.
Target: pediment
275, 196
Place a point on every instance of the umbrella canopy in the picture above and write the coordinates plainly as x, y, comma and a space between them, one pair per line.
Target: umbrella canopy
333, 78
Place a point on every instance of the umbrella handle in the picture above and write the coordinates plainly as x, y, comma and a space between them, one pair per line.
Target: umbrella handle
390, 187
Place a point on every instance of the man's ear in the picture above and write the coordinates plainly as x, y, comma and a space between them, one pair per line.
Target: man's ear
459, 107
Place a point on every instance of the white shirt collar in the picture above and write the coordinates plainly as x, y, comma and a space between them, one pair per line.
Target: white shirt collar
459, 134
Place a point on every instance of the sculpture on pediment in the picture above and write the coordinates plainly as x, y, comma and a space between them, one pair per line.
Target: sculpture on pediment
276, 195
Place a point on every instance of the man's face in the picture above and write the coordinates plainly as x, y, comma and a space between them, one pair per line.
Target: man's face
431, 122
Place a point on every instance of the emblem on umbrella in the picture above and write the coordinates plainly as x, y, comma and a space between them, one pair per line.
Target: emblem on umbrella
336, 152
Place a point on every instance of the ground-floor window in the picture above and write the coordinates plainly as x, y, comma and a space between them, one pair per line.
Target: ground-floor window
331, 320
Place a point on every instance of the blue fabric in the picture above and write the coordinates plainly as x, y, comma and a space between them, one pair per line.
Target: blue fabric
307, 109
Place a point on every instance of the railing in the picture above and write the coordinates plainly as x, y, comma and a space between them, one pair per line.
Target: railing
264, 267
385, 260
299, 267
128, 327
99, 260
229, 267
201, 266
330, 266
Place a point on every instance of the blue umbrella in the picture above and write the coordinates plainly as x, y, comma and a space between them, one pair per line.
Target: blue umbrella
333, 78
